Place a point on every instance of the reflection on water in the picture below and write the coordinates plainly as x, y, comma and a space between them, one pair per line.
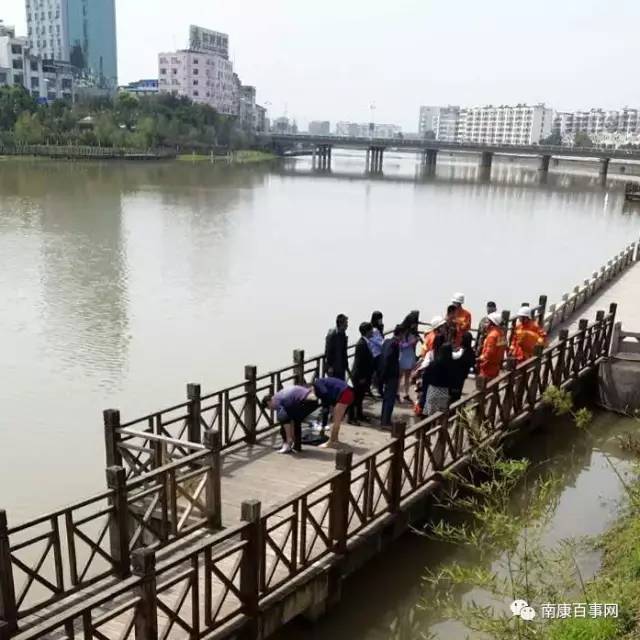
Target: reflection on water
124, 281
386, 600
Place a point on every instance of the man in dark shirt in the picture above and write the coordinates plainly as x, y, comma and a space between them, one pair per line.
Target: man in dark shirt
389, 374
335, 351
363, 364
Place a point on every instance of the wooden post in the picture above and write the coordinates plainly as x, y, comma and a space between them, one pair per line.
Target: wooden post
251, 405
111, 418
481, 413
542, 305
558, 374
146, 613
250, 566
195, 406
535, 379
395, 472
119, 523
8, 607
614, 344
298, 362
213, 499
341, 487
550, 319
579, 356
613, 308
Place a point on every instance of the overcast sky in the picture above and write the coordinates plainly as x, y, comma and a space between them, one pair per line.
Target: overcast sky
331, 59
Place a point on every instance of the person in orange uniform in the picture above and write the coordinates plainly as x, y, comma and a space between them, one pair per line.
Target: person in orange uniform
461, 317
494, 347
527, 335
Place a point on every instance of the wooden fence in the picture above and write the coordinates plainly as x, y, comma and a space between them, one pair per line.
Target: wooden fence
62, 552
223, 580
148, 442
83, 152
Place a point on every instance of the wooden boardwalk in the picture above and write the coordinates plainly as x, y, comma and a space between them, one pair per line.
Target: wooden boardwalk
231, 533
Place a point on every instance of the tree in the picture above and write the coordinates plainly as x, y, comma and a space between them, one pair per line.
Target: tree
13, 102
554, 139
126, 106
582, 139
28, 129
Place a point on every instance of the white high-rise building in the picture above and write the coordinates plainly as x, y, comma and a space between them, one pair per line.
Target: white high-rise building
428, 120
615, 126
520, 124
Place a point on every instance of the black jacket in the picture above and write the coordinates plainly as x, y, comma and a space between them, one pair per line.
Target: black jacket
335, 352
461, 368
389, 367
363, 363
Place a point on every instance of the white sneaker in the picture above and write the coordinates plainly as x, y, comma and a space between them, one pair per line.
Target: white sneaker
286, 448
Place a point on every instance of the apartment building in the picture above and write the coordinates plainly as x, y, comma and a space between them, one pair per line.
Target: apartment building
615, 125
81, 32
320, 127
201, 76
46, 80
363, 130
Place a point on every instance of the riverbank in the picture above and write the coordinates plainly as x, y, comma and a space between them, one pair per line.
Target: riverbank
617, 582
234, 157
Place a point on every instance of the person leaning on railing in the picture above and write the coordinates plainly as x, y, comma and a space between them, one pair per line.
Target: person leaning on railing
527, 335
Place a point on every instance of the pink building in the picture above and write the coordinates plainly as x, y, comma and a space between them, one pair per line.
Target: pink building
202, 76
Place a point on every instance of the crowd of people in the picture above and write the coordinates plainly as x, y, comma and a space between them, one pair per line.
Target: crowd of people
427, 371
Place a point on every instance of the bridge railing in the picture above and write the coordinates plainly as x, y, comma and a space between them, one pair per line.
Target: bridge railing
232, 572
60, 553
147, 443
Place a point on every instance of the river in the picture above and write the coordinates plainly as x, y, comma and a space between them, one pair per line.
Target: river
123, 282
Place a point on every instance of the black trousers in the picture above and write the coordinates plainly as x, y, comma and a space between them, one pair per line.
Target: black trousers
296, 415
359, 391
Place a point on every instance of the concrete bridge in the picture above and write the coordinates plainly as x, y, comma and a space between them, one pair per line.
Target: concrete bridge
322, 146
203, 530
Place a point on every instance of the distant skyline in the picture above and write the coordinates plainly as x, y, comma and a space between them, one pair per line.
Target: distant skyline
332, 61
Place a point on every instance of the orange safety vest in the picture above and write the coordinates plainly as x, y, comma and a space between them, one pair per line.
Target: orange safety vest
526, 337
462, 319
494, 346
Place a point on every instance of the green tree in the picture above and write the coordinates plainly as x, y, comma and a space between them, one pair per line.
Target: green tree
13, 102
555, 139
126, 107
582, 139
28, 129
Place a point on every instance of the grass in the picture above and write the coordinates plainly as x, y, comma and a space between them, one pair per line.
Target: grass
238, 157
617, 582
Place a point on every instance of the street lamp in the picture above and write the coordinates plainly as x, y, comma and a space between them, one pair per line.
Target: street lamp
372, 125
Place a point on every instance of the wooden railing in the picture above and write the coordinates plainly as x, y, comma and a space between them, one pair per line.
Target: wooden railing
60, 553
223, 580
237, 413
83, 152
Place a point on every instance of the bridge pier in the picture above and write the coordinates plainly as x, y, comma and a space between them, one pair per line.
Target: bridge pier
374, 159
604, 168
321, 157
429, 157
545, 161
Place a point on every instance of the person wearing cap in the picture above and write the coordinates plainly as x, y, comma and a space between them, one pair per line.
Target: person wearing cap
494, 347
461, 317
335, 351
484, 326
527, 335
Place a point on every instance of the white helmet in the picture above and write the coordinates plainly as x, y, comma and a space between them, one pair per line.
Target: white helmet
458, 298
437, 321
495, 317
524, 312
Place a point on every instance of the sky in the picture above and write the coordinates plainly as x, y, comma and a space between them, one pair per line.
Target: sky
333, 59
